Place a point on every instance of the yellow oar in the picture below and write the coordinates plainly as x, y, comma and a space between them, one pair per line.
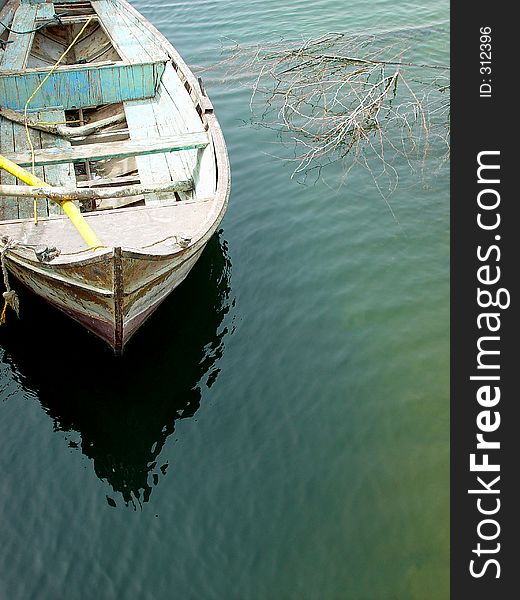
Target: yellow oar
69, 208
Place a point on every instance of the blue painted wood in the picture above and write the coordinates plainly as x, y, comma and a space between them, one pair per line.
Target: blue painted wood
46, 10
176, 113
16, 52
108, 150
153, 168
75, 87
6, 16
126, 37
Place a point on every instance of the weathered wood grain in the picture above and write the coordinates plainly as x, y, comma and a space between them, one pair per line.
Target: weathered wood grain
153, 169
117, 167
6, 15
84, 85
126, 39
108, 181
151, 229
9, 204
66, 193
61, 68
169, 118
172, 111
56, 175
45, 10
17, 50
141, 31
22, 144
59, 128
178, 108
50, 156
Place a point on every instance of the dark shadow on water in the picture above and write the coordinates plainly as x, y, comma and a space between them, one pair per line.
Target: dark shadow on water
124, 409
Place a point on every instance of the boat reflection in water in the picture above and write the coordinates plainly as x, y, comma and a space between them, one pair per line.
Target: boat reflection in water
124, 409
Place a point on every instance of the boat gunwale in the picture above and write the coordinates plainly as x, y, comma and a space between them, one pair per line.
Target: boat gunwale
76, 258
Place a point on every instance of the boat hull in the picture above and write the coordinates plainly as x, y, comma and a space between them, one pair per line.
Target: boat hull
121, 301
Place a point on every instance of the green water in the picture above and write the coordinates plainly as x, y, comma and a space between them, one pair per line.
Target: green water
279, 430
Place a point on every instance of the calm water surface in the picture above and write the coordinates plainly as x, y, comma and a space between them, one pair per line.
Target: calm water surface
279, 430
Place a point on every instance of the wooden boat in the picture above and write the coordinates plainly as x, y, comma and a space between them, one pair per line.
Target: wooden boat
141, 153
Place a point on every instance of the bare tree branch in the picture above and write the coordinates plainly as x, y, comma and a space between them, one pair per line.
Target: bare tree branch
358, 97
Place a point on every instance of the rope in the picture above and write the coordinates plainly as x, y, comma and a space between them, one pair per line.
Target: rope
55, 66
10, 296
43, 253
92, 248
57, 122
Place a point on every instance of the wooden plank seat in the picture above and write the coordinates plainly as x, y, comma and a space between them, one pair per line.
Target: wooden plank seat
108, 150
73, 86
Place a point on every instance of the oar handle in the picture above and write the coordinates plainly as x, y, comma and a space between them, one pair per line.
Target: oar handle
69, 208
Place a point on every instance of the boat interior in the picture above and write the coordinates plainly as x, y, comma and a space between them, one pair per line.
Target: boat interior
148, 130
50, 42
